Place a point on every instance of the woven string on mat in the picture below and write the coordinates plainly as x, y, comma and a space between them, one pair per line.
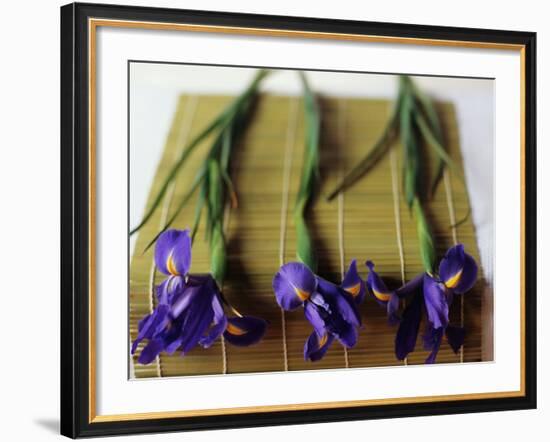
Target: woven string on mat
183, 135
287, 166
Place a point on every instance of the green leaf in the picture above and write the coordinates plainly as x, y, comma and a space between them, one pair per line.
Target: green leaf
443, 155
425, 238
411, 160
428, 108
175, 169
374, 154
305, 251
226, 147
310, 167
198, 209
215, 195
424, 105
218, 254
225, 118
432, 140
309, 176
434, 127
196, 182
229, 188
213, 176
368, 162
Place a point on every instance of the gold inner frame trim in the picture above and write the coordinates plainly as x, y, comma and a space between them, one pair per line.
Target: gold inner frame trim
93, 24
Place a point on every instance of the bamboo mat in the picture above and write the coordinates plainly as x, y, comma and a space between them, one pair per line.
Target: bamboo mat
371, 221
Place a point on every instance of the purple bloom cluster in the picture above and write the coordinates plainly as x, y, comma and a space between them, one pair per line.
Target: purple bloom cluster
331, 309
190, 308
432, 294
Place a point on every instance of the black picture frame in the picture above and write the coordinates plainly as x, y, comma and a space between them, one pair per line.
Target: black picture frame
75, 220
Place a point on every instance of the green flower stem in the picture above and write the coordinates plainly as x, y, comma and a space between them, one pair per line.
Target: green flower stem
216, 202
425, 237
412, 172
305, 251
218, 254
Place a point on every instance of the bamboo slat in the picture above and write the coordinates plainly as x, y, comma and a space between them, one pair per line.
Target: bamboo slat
361, 224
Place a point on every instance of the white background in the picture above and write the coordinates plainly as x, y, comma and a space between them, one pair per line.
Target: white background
29, 172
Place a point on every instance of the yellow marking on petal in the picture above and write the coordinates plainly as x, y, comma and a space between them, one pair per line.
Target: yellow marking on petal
323, 340
302, 294
234, 330
171, 265
354, 290
453, 281
384, 297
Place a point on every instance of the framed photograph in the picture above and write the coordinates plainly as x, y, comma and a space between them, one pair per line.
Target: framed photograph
277, 220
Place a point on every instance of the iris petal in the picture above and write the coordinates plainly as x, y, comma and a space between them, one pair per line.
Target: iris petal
468, 277
169, 288
293, 284
376, 286
451, 265
193, 316
413, 286
353, 284
218, 326
244, 331
173, 252
392, 309
149, 326
319, 300
458, 270
455, 336
183, 300
407, 333
332, 312
339, 301
316, 347
171, 345
347, 335
436, 302
348, 309
432, 341
151, 351
314, 317
198, 319
162, 291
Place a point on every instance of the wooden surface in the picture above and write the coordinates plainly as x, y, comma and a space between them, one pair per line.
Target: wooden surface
363, 224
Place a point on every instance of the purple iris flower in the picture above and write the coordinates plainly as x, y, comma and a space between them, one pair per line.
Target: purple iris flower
190, 309
431, 293
331, 309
